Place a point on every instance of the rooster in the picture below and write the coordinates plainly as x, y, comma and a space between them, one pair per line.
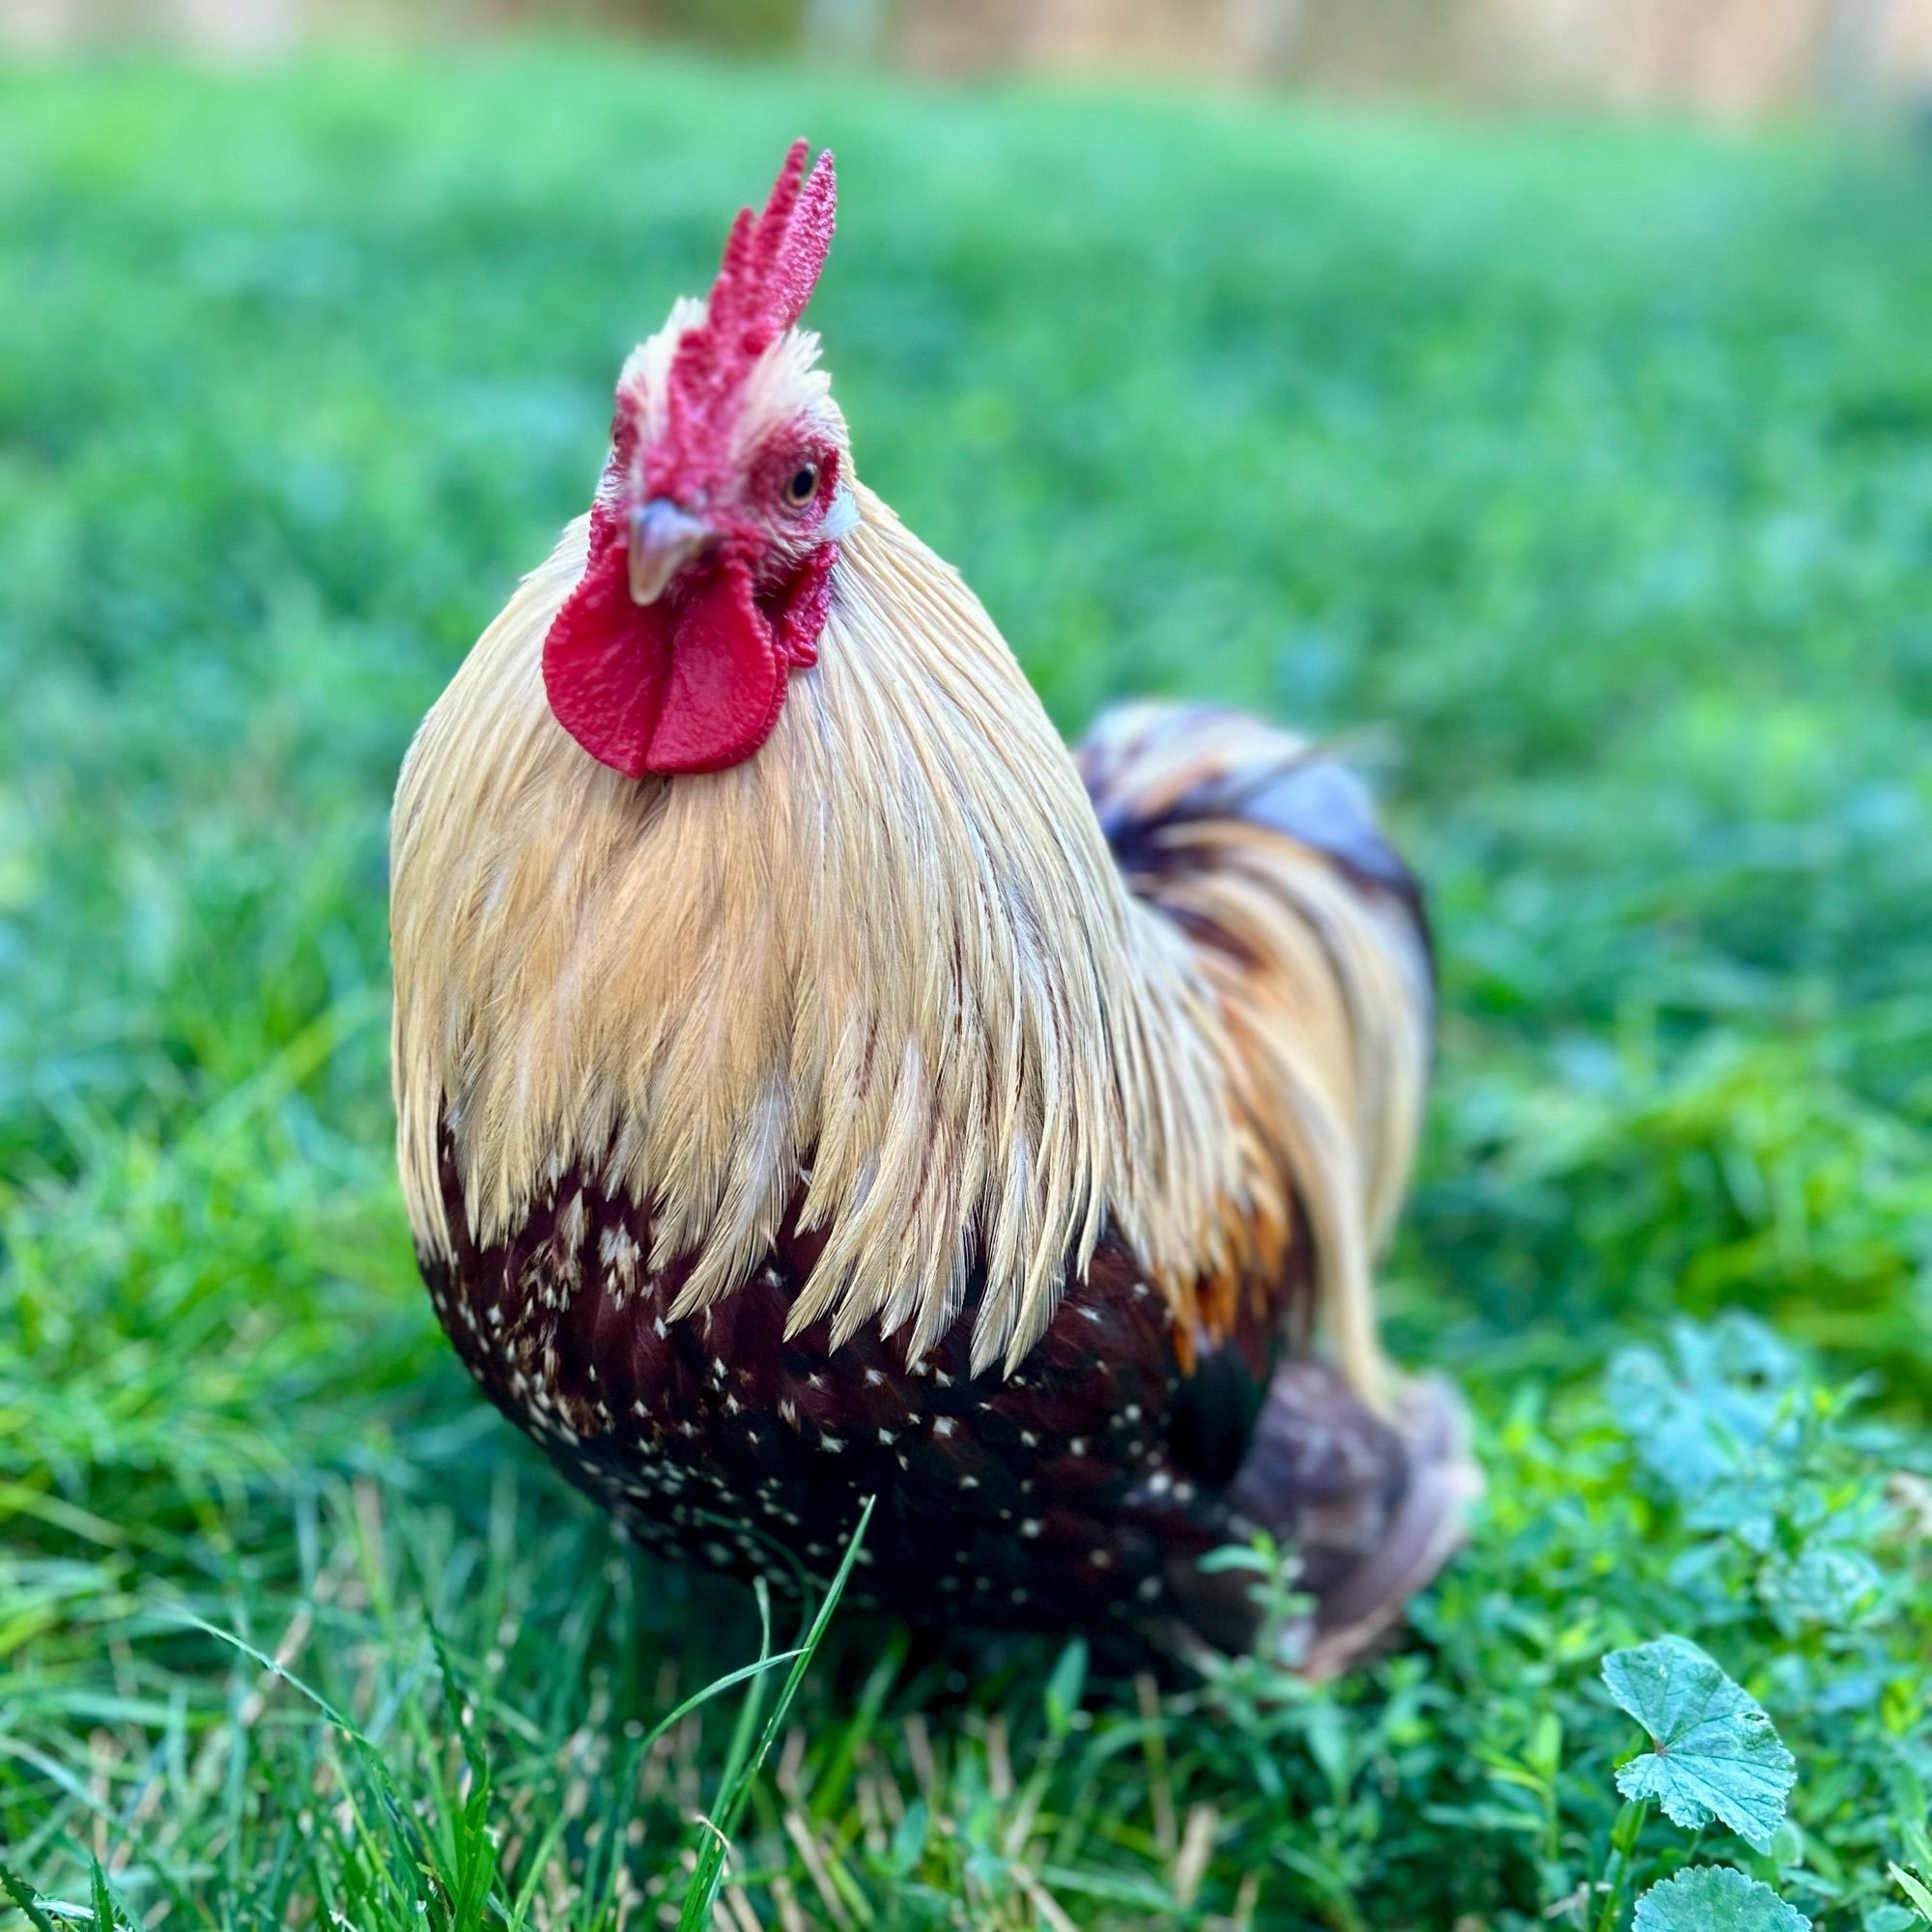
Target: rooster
815, 1084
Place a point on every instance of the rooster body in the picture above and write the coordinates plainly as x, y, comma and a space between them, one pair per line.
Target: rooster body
814, 1086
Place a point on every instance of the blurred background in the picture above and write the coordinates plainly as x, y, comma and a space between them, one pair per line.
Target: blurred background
1534, 395
1733, 58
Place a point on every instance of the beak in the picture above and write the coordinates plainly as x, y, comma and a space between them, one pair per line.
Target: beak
660, 540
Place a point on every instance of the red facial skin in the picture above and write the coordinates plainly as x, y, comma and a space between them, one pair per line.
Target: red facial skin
695, 680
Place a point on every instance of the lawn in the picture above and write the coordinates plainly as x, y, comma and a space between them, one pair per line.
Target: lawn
1581, 476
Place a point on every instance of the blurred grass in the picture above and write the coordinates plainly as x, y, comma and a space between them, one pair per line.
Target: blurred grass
1586, 473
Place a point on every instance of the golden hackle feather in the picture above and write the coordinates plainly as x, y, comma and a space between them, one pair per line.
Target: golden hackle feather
889, 961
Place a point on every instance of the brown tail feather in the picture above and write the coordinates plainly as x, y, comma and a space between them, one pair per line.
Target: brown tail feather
1265, 850
1373, 1508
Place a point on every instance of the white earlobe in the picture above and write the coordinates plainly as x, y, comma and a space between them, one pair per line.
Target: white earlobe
842, 519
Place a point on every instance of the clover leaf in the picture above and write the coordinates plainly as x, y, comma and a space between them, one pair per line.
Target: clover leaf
1716, 1754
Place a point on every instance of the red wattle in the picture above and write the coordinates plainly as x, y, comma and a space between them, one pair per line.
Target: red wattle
727, 677
606, 664
690, 685
805, 612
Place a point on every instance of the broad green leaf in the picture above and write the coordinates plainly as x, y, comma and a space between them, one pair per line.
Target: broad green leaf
1892, 1918
1829, 1584
1711, 1415
1716, 1754
1714, 1898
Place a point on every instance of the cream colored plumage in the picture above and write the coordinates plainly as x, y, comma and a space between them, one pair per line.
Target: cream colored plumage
892, 959
822, 1098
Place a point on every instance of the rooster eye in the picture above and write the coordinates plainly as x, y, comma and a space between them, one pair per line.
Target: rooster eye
803, 485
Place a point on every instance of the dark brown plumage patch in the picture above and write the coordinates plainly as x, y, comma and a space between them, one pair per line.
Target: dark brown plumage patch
1060, 1496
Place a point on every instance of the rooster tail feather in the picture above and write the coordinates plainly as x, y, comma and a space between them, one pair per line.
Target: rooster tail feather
1264, 851
1371, 1505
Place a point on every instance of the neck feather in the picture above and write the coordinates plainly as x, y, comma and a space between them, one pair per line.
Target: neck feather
887, 961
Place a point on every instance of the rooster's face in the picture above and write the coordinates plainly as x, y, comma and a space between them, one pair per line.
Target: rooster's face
718, 521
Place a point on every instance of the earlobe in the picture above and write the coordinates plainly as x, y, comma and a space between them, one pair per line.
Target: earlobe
841, 514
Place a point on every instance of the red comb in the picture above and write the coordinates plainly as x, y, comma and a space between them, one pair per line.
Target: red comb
770, 269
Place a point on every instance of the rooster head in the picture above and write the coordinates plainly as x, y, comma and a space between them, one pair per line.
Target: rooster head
717, 523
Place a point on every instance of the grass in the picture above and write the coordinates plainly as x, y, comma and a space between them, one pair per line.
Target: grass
1591, 468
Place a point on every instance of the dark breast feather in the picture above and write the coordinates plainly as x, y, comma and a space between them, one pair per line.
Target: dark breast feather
1069, 1492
